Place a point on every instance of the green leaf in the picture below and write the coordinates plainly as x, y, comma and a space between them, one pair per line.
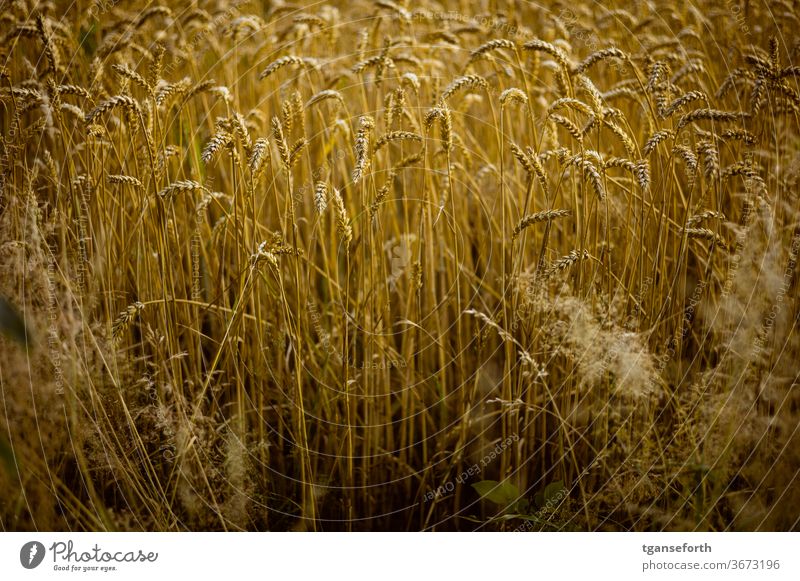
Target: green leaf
11, 323
502, 493
554, 492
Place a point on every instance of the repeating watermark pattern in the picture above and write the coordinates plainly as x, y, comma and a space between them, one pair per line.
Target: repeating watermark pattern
473, 470
399, 251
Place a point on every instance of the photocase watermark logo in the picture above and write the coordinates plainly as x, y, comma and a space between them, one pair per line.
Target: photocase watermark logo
399, 251
31, 554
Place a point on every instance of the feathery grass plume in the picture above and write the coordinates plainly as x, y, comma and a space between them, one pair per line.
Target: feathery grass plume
120, 101
655, 139
565, 262
285, 61
124, 320
465, 82
321, 197
342, 220
258, 155
543, 216
216, 144
123, 179
512, 95
702, 216
396, 136
324, 96
280, 141
488, 47
179, 187
598, 56
362, 147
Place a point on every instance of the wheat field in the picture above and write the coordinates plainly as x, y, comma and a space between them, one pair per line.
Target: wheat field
434, 265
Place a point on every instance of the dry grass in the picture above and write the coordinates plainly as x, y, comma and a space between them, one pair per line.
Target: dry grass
296, 268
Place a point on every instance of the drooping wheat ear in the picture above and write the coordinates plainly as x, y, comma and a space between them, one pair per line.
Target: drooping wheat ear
125, 102
50, 49
512, 95
396, 136
298, 113
324, 96
124, 320
655, 139
150, 13
362, 147
446, 128
123, 179
738, 135
595, 97
321, 197
538, 171
757, 96
705, 234
169, 92
240, 128
74, 90
642, 173
707, 114
280, 141
622, 162
125, 72
342, 220
395, 8
467, 81
569, 103
489, 47
555, 52
689, 159
382, 193
591, 173
522, 158
565, 262
199, 88
571, 128
155, 67
216, 144
543, 216
708, 151
297, 149
598, 56
285, 61
411, 80
702, 216
180, 187
682, 101
258, 155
